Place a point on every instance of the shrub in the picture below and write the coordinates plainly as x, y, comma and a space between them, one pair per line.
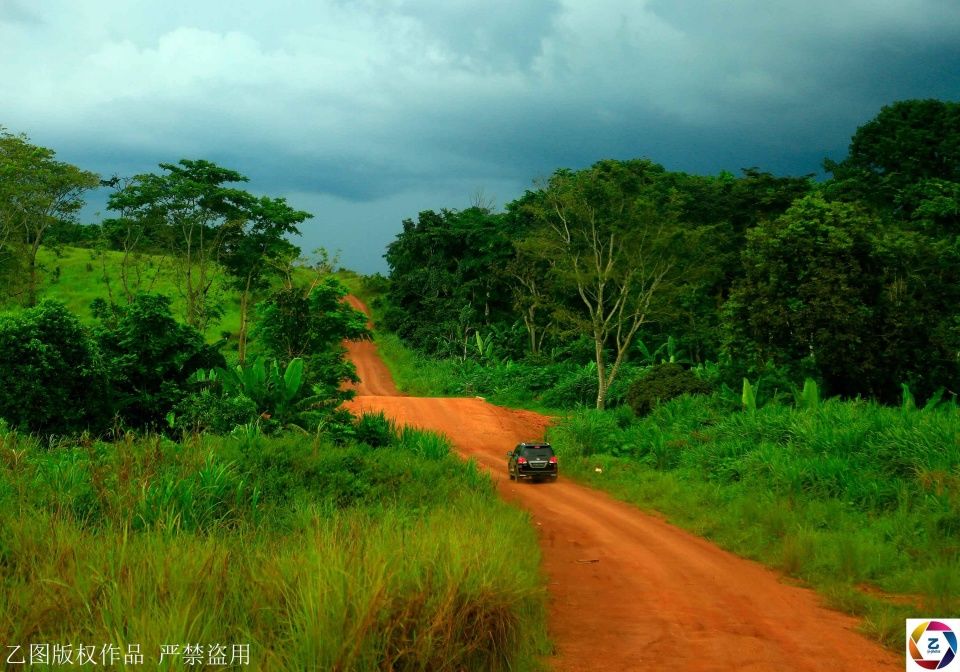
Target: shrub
150, 357
663, 382
52, 380
213, 412
375, 430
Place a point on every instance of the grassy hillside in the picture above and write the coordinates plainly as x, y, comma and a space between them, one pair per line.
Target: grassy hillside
297, 550
76, 276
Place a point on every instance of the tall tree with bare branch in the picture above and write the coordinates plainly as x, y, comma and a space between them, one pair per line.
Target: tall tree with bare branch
605, 232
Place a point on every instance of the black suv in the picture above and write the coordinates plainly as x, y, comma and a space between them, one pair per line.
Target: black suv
535, 461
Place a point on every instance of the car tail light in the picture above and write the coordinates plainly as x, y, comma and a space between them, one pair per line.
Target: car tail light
553, 459
521, 460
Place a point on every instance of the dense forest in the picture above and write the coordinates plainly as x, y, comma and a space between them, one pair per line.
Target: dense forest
852, 281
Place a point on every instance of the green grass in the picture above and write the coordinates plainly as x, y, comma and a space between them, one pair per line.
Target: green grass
86, 274
317, 556
859, 500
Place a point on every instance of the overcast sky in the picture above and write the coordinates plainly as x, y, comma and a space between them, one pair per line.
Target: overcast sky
366, 112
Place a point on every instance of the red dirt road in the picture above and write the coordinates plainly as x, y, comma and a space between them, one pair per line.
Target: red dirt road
375, 378
629, 591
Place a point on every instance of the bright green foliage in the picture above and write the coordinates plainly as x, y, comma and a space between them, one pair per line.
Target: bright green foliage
149, 358
907, 402
662, 383
192, 201
52, 379
275, 393
312, 323
748, 397
320, 557
844, 494
36, 191
809, 396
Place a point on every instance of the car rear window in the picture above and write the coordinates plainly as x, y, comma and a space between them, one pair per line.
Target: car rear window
537, 451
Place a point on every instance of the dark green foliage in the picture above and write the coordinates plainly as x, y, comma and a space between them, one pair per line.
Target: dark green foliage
831, 294
51, 376
149, 358
894, 158
917, 325
806, 299
448, 280
74, 234
715, 213
255, 249
296, 321
210, 411
662, 383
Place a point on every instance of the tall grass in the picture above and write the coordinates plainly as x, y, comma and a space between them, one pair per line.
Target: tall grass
861, 500
317, 556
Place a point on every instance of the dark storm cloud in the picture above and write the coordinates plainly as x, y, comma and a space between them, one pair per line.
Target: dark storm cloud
369, 106
12, 11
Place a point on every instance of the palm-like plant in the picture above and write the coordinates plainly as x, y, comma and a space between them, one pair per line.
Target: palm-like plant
275, 392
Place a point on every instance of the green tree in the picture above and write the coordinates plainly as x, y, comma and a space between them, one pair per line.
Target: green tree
714, 212
256, 248
150, 357
917, 330
604, 230
145, 246
311, 323
194, 200
897, 157
447, 279
806, 299
51, 376
36, 192
831, 293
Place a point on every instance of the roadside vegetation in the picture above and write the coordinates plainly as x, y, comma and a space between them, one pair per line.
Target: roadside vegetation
385, 553
772, 362
860, 500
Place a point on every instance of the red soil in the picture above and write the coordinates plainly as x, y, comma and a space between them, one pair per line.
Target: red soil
629, 591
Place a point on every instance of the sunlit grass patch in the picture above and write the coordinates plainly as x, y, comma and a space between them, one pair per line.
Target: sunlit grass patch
317, 556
